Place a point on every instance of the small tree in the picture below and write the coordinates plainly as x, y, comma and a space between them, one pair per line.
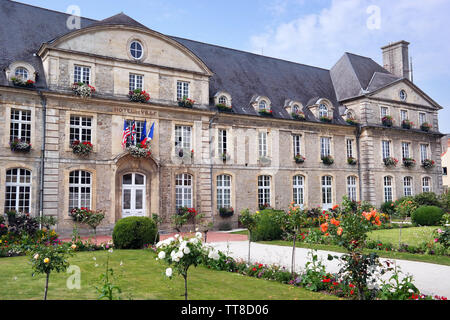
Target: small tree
179, 220
93, 220
47, 258
249, 221
403, 210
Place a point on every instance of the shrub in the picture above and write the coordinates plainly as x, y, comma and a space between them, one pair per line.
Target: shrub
268, 226
427, 216
134, 232
427, 199
225, 226
445, 201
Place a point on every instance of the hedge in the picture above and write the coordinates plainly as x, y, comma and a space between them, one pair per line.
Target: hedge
427, 216
134, 233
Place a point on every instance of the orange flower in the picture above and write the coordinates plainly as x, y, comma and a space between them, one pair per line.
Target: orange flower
327, 234
335, 207
339, 231
324, 227
366, 215
335, 222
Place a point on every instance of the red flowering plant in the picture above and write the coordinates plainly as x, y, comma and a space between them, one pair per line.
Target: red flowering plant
298, 115
425, 126
83, 89
140, 150
224, 107
20, 145
387, 121
186, 102
21, 83
407, 124
265, 112
138, 95
409, 162
299, 158
79, 214
83, 148
428, 164
390, 162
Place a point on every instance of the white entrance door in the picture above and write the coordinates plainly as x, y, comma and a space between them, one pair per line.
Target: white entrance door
133, 195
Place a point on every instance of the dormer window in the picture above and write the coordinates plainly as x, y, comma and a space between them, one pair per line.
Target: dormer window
323, 110
295, 108
21, 73
223, 100
262, 105
136, 50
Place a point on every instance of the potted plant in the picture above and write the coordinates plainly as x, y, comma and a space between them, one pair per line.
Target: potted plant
186, 102
20, 146
409, 162
352, 161
352, 121
79, 214
265, 112
140, 150
138, 95
390, 162
264, 206
82, 148
298, 115
326, 119
20, 83
225, 156
82, 89
226, 212
407, 124
428, 163
224, 107
425, 126
328, 160
387, 121
299, 158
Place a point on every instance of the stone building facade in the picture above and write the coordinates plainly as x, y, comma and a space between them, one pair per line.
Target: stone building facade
202, 157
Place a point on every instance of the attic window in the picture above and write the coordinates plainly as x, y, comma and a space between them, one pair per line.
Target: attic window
323, 110
262, 105
295, 108
223, 100
402, 95
136, 50
21, 73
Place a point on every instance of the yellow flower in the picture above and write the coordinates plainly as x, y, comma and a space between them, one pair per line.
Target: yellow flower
257, 211
46, 260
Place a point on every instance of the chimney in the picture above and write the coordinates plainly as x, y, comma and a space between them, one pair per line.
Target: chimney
396, 60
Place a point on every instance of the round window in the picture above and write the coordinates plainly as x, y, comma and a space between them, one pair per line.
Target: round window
402, 95
136, 50
21, 73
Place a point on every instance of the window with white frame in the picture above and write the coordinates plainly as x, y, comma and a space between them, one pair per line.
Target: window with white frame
403, 115
264, 190
82, 74
386, 148
297, 139
423, 152
262, 105
298, 184
21, 73
183, 138
351, 188
183, 190
222, 142
405, 149
223, 191
350, 143
384, 111
136, 81
182, 90
426, 184
18, 190
407, 186
327, 194
262, 142
80, 129
136, 50
422, 118
20, 126
223, 100
136, 134
323, 110
80, 187
387, 184
325, 146
295, 108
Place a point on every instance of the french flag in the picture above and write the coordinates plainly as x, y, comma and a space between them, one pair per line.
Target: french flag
149, 137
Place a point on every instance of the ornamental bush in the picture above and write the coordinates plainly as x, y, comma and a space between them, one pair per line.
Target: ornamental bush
427, 199
268, 226
134, 233
427, 216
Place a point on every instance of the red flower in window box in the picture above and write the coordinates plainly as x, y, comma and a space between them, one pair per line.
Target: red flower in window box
83, 148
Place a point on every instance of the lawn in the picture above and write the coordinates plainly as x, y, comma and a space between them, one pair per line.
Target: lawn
142, 277
412, 236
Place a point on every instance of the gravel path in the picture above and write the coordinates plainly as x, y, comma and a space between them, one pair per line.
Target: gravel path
430, 279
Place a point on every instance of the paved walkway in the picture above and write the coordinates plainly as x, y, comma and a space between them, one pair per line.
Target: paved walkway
430, 279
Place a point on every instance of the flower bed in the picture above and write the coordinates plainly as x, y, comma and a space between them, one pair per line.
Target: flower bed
82, 148
387, 121
139, 150
425, 126
224, 108
20, 83
82, 89
328, 160
406, 124
409, 162
138, 95
390, 162
186, 102
299, 158
352, 161
265, 112
428, 164
20, 146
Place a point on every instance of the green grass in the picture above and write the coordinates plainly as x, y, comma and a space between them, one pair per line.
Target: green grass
141, 277
412, 236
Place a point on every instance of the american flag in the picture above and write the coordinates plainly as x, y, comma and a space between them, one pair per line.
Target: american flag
133, 133
126, 133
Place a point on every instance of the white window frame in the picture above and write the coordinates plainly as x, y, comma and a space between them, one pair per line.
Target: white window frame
297, 144
182, 90
384, 111
262, 144
21, 125
81, 74
184, 190
323, 110
388, 188
18, 191
81, 131
298, 188
424, 152
223, 100
78, 198
426, 184
386, 148
351, 188
406, 147
21, 73
183, 137
350, 148
325, 146
262, 105
407, 186
403, 115
264, 190
136, 81
222, 142
327, 191
223, 184
422, 118
135, 50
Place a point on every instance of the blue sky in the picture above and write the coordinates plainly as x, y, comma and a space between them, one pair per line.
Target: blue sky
310, 32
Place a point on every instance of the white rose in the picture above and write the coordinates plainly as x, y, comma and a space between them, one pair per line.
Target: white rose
169, 272
180, 254
36, 256
198, 235
176, 259
162, 255
173, 253
186, 250
194, 240
176, 236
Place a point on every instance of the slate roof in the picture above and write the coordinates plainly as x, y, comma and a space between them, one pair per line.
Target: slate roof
242, 74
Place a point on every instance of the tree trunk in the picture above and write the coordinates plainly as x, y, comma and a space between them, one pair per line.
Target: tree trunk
206, 234
293, 255
249, 242
95, 235
46, 286
185, 287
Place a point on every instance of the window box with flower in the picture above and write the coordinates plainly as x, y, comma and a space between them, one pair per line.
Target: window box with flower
186, 102
21, 83
352, 161
407, 124
79, 214
265, 112
409, 162
326, 119
140, 150
138, 95
428, 164
225, 156
188, 212
299, 158
387, 121
352, 121
20, 146
83, 148
390, 162
328, 160
226, 212
298, 115
425, 126
82, 89
224, 108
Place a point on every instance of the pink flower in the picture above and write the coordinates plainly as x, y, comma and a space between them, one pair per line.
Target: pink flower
436, 240
439, 230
